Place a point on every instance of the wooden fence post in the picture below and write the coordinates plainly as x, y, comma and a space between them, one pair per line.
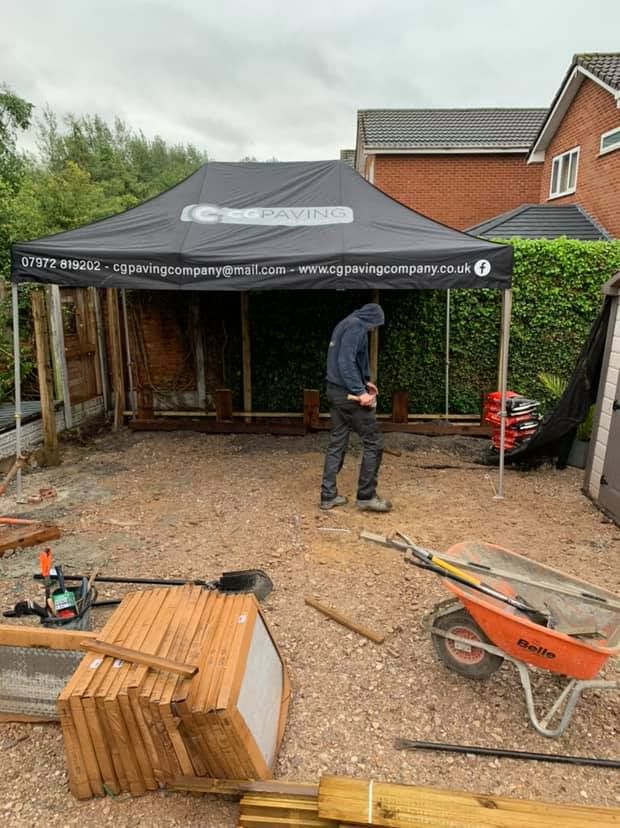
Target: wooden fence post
223, 405
312, 402
400, 407
114, 338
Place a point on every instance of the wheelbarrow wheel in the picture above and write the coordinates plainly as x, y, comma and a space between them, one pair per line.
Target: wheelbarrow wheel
466, 660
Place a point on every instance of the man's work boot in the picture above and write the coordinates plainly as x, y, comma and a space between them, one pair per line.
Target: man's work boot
375, 504
339, 500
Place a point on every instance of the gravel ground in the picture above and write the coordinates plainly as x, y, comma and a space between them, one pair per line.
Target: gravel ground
184, 504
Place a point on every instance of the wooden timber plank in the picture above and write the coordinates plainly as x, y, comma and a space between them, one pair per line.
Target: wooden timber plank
129, 693
167, 765
237, 787
98, 734
248, 760
136, 727
189, 727
221, 652
104, 695
211, 427
187, 632
330, 612
195, 704
297, 428
14, 635
126, 733
110, 763
137, 657
87, 728
20, 537
178, 761
385, 805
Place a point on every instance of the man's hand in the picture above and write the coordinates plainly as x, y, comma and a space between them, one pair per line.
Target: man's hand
367, 400
372, 388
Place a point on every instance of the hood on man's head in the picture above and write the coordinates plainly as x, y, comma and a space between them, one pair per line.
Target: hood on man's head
371, 315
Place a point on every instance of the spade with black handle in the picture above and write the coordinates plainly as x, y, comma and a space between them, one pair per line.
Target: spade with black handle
241, 581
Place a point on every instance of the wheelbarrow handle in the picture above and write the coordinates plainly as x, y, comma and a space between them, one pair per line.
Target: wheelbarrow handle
430, 560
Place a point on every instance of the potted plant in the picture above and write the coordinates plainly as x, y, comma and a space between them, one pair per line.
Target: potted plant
578, 454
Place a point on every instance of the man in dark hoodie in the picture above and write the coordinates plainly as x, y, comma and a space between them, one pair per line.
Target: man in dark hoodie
348, 374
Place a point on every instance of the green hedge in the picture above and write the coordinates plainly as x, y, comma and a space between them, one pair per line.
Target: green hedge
556, 296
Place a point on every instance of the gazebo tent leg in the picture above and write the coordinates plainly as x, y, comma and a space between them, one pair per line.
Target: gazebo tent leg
505, 339
246, 356
18, 385
375, 297
447, 404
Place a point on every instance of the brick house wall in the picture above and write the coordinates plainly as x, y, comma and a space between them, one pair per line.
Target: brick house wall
459, 190
592, 112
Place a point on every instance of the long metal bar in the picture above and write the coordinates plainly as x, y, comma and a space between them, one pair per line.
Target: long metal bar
447, 406
114, 579
18, 385
409, 744
132, 393
505, 340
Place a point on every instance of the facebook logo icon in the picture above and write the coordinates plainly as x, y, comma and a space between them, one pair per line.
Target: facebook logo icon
482, 267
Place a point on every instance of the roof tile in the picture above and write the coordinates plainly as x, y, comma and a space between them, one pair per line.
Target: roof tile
605, 65
450, 128
541, 221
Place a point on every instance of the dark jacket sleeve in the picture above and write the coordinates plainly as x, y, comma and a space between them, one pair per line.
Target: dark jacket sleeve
347, 360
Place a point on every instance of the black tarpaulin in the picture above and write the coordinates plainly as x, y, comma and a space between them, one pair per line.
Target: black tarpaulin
555, 434
251, 226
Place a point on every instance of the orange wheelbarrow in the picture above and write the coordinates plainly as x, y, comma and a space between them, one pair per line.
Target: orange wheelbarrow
522, 612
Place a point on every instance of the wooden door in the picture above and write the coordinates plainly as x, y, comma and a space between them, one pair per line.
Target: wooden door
609, 496
80, 331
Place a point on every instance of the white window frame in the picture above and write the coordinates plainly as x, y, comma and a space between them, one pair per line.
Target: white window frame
605, 150
558, 158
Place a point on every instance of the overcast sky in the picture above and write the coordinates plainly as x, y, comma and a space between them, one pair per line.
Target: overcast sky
285, 78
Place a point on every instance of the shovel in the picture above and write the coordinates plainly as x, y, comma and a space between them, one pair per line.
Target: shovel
241, 581
425, 559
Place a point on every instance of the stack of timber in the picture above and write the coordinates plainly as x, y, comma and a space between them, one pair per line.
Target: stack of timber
259, 810
181, 682
351, 803
341, 802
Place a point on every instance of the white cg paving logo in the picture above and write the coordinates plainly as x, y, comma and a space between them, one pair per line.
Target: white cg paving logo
287, 216
482, 267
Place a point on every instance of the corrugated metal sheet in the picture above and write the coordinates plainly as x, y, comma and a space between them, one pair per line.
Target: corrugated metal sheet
32, 432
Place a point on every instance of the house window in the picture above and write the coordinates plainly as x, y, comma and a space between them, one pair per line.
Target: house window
610, 140
564, 173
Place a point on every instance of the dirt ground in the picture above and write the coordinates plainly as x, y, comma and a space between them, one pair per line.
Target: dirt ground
183, 504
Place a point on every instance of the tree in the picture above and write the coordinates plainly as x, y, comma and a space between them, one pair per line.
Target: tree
126, 164
15, 114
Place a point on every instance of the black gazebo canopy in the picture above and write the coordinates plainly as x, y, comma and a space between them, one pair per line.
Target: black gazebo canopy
301, 225
254, 226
